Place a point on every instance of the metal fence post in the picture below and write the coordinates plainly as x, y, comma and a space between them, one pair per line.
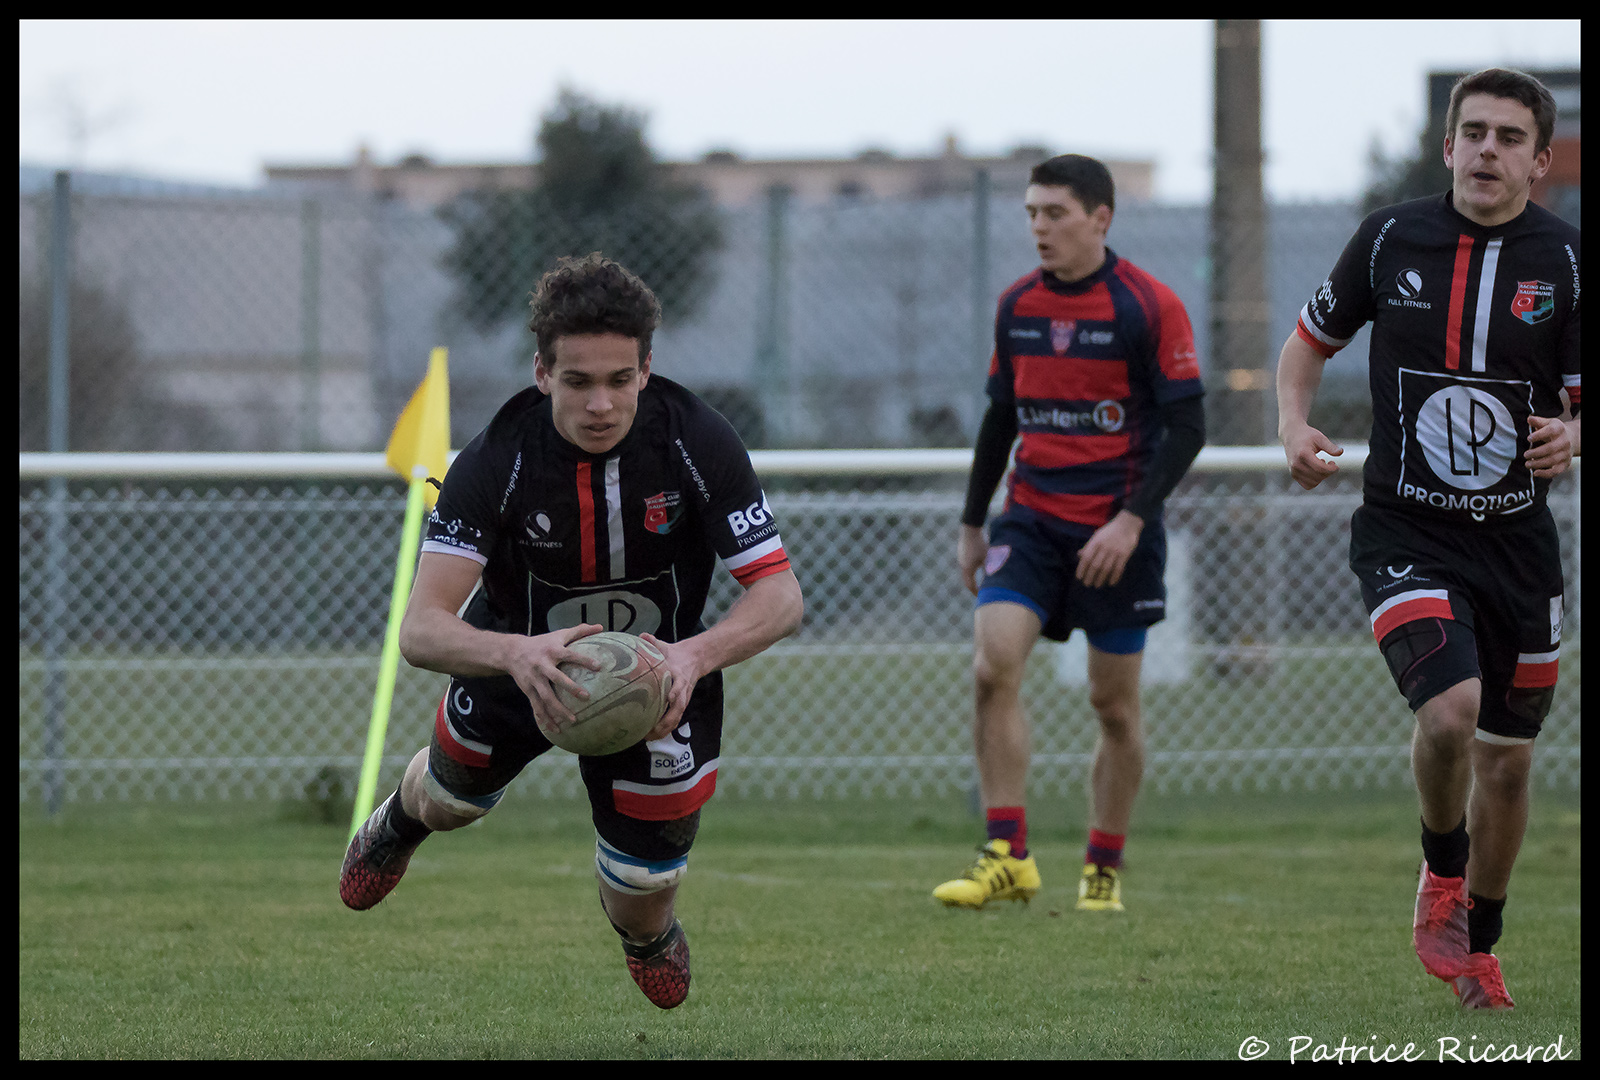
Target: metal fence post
310, 325
771, 361
55, 692
982, 302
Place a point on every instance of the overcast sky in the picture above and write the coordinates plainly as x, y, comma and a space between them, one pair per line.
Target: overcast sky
215, 101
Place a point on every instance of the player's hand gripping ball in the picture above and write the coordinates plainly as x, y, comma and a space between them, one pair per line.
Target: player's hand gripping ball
627, 696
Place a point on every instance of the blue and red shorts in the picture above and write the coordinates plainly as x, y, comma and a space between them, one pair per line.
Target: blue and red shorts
1033, 561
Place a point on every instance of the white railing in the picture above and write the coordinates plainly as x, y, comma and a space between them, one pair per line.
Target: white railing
185, 638
37, 466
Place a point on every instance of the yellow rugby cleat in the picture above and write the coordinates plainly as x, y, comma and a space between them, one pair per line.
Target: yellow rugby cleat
1100, 889
995, 876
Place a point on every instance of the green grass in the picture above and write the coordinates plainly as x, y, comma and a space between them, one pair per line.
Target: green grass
180, 931
836, 703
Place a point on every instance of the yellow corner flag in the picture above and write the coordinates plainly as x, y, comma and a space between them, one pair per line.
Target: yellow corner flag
421, 438
418, 448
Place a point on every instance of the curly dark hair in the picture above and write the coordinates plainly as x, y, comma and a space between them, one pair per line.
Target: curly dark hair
592, 295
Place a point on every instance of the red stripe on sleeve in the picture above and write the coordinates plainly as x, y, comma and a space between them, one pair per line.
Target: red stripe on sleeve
1175, 351
766, 566
1458, 300
1327, 352
586, 523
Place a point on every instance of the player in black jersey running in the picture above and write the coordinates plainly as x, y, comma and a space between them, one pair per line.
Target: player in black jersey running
1473, 300
598, 500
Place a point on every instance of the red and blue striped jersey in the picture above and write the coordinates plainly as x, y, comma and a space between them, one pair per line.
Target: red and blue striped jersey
1086, 365
627, 539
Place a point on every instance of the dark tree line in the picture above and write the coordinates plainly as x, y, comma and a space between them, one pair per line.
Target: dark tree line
600, 188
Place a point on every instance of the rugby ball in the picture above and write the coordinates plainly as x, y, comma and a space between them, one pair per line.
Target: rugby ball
627, 696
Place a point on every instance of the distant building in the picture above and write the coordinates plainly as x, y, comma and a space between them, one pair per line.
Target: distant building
730, 179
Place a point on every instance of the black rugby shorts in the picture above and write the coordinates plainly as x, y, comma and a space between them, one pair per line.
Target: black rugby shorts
485, 734
1501, 582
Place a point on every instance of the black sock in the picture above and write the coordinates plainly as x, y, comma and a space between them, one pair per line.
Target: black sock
1484, 922
405, 826
1446, 852
648, 950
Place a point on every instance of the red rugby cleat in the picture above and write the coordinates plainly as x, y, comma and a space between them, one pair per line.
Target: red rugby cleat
1480, 985
1439, 928
375, 861
661, 968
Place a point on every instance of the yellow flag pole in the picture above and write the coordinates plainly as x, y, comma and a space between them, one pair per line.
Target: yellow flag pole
377, 730
418, 448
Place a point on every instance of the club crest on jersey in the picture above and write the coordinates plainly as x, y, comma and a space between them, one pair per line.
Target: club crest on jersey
661, 512
1061, 331
1535, 301
996, 558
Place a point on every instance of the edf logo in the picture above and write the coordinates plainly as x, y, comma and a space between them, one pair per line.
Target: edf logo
753, 516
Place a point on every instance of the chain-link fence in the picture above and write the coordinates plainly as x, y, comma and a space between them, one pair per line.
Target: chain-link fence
302, 319
220, 638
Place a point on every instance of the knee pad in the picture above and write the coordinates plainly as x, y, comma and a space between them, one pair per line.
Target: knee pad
467, 806
631, 874
1428, 656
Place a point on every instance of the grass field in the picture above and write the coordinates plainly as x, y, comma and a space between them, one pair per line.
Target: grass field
194, 931
1328, 710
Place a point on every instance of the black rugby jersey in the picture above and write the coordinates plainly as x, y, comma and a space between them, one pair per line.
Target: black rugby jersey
1474, 329
627, 539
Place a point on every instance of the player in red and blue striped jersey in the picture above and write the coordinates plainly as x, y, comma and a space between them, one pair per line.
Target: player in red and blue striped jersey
600, 499
1473, 300
1094, 367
